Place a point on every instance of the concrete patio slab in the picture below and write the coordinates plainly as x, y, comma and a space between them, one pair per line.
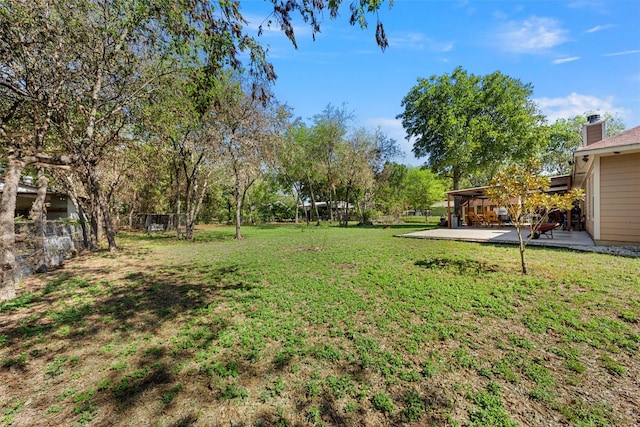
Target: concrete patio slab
578, 240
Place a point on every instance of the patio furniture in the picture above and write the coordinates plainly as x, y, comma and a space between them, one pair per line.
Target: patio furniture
492, 218
475, 219
577, 222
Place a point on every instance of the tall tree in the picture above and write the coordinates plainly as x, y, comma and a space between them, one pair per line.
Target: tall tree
361, 156
32, 78
329, 130
354, 169
463, 123
299, 171
248, 131
176, 121
82, 64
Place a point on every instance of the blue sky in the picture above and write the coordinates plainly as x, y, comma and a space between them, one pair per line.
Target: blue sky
578, 55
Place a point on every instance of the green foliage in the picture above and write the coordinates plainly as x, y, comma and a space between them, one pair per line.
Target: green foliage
171, 394
565, 137
382, 402
232, 392
389, 184
414, 408
521, 189
490, 411
460, 121
612, 366
422, 189
21, 301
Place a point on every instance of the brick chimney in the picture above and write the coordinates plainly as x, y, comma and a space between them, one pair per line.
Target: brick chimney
595, 130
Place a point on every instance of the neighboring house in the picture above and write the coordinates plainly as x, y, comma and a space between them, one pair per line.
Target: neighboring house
608, 169
59, 205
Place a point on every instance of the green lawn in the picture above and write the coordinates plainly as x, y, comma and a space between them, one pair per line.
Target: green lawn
316, 326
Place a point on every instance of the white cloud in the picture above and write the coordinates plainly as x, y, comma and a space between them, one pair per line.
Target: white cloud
626, 52
599, 28
564, 60
597, 6
576, 104
533, 35
419, 41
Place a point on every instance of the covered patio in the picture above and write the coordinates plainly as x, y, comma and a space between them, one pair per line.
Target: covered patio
470, 206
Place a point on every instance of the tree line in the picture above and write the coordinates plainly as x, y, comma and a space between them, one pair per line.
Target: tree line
79, 78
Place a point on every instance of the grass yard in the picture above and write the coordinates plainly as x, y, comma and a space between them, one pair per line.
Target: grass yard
298, 326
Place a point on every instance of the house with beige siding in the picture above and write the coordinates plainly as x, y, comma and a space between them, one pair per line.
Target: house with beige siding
608, 169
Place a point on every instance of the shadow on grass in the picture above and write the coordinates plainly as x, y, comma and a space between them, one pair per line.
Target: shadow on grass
202, 236
40, 330
429, 226
460, 265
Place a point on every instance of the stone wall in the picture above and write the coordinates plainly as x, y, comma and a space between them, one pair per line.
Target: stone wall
62, 240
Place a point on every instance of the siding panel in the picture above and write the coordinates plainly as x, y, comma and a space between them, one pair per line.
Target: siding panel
620, 198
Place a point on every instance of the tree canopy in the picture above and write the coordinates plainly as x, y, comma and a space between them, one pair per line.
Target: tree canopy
464, 123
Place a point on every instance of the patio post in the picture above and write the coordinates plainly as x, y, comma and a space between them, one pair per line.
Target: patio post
448, 210
569, 213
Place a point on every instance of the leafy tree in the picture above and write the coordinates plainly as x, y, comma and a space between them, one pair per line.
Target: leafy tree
565, 137
296, 171
312, 11
177, 121
32, 79
327, 135
361, 157
522, 190
422, 188
355, 173
248, 132
464, 123
390, 196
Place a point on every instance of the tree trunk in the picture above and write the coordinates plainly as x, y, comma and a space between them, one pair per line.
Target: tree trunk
298, 201
82, 217
238, 197
107, 223
178, 213
330, 206
38, 215
7, 229
133, 208
94, 223
523, 260
314, 207
522, 247
188, 229
346, 207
